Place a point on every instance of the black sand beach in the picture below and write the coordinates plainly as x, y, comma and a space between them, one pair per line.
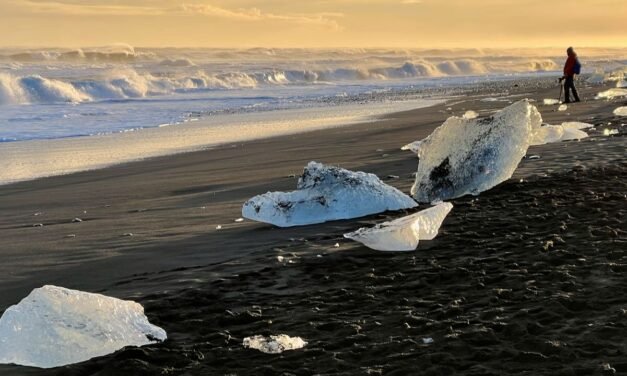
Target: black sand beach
527, 278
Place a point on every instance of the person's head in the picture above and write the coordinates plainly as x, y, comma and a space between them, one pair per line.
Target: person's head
570, 51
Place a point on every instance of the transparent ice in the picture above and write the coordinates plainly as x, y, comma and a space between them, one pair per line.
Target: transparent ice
55, 326
469, 156
403, 234
274, 344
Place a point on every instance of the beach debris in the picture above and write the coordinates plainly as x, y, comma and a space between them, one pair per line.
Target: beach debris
555, 133
413, 147
550, 102
77, 220
612, 93
562, 107
470, 115
403, 234
54, 326
326, 193
427, 340
621, 111
274, 344
238, 220
610, 132
469, 156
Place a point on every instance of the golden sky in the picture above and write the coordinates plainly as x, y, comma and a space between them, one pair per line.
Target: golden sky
314, 23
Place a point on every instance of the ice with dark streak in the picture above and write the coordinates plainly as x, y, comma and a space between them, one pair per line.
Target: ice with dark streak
405, 233
469, 156
326, 193
55, 326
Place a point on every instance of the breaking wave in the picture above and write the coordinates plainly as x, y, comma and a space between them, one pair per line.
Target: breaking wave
127, 83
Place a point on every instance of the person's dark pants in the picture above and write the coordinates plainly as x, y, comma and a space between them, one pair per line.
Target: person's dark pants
569, 85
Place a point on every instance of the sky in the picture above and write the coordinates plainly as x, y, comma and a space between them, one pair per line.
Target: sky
314, 23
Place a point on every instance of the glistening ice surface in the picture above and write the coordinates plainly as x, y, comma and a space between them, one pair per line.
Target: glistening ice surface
54, 326
469, 156
326, 193
403, 234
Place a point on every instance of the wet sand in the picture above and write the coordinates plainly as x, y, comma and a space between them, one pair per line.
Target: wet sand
527, 278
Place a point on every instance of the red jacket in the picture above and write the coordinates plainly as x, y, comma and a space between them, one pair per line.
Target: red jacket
569, 67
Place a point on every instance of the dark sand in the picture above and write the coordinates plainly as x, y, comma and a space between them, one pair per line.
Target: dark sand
527, 278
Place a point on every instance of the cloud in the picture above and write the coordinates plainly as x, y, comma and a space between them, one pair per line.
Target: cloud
152, 8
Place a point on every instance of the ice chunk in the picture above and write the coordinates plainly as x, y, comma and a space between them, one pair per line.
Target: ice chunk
555, 133
576, 125
621, 84
274, 344
562, 108
326, 193
413, 147
469, 156
470, 115
54, 326
612, 93
551, 102
621, 111
403, 234
610, 132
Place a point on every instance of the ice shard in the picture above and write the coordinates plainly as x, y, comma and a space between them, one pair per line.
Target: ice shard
403, 234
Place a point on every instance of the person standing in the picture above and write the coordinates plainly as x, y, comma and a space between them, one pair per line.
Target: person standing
571, 68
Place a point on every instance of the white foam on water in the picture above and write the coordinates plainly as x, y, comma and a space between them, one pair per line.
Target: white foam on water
27, 160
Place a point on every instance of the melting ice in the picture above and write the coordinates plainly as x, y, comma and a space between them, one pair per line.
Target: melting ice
403, 234
274, 344
326, 193
55, 326
469, 156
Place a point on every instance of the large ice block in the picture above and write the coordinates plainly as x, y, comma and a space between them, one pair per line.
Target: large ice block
326, 193
55, 326
469, 156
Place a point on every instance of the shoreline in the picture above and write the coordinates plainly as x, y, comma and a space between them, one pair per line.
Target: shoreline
171, 205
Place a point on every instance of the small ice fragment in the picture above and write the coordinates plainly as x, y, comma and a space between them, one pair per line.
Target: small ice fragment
274, 344
555, 133
610, 132
379, 150
127, 234
470, 115
239, 220
37, 214
77, 220
55, 326
533, 157
326, 193
336, 245
38, 225
612, 93
403, 234
393, 177
385, 155
562, 108
219, 227
550, 102
291, 175
414, 146
427, 340
621, 111
70, 236
576, 125
280, 258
